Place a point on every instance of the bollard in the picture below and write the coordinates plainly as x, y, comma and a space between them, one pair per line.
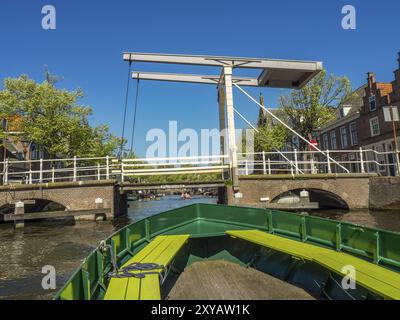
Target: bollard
19, 210
99, 205
304, 196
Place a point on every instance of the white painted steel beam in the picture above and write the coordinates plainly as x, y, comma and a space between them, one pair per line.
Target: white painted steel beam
191, 78
222, 61
275, 73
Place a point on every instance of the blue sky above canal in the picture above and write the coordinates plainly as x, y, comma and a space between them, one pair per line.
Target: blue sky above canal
86, 49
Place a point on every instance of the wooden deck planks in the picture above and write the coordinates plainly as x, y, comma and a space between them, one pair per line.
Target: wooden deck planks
222, 280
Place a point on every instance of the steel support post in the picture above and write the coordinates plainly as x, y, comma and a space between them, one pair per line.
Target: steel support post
231, 125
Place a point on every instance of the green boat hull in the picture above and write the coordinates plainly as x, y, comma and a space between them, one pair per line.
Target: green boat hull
207, 224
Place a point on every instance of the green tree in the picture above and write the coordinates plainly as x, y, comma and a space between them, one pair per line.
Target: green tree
270, 138
53, 118
314, 105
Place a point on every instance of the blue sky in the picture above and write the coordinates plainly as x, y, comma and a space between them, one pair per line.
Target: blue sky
86, 49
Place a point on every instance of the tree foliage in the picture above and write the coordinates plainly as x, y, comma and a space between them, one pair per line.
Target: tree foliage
270, 138
314, 105
54, 119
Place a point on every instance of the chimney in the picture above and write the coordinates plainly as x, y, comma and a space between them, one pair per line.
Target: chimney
371, 79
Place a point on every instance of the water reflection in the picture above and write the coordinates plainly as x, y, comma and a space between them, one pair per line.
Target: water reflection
62, 244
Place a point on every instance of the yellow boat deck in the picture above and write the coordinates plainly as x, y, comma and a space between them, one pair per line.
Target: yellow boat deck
379, 280
161, 251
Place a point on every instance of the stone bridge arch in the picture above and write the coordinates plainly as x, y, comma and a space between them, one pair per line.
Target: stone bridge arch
334, 190
73, 196
353, 190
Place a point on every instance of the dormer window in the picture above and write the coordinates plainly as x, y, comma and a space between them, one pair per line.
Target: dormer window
372, 103
344, 111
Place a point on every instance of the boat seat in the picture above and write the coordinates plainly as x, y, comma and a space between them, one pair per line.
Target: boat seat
381, 281
160, 251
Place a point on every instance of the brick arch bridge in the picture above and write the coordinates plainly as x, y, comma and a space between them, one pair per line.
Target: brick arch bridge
73, 196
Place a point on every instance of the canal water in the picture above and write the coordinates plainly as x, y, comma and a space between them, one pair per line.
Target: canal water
64, 244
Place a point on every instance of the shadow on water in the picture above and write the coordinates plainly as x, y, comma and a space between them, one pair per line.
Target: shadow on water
64, 243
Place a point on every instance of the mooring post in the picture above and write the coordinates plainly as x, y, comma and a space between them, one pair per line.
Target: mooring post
99, 205
19, 210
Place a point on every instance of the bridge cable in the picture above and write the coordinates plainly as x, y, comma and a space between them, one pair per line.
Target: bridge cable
126, 106
134, 117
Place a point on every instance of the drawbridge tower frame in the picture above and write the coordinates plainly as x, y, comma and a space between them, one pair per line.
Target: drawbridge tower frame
274, 74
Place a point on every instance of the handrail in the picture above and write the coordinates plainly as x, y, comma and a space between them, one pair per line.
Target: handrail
292, 162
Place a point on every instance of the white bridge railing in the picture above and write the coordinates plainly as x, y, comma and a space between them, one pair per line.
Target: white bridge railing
171, 166
265, 163
105, 168
311, 162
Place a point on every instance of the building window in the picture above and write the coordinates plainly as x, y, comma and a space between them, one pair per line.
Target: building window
374, 125
333, 140
326, 141
353, 134
372, 103
343, 136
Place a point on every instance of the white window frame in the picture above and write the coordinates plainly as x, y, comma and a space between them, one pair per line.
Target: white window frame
370, 99
344, 129
371, 127
351, 133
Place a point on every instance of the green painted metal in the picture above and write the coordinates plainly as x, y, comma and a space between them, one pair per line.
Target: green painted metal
205, 221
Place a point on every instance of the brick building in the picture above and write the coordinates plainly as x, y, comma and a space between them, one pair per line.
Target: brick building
343, 132
361, 123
